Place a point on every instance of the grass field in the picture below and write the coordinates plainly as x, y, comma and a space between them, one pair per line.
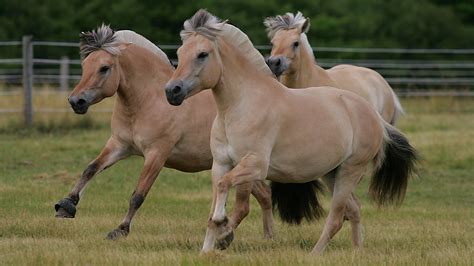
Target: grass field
434, 226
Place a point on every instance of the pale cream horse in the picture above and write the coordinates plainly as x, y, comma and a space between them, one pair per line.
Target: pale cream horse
143, 123
265, 130
292, 59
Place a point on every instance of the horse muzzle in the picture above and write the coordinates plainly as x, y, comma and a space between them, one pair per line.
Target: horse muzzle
175, 92
277, 64
79, 104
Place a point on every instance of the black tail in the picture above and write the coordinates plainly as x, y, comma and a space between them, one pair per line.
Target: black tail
390, 179
297, 201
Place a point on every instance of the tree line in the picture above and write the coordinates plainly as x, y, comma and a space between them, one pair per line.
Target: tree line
342, 23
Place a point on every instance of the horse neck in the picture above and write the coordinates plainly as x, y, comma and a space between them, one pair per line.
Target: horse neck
143, 78
240, 81
307, 72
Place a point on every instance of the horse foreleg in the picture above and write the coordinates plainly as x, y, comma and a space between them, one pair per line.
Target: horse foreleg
154, 161
110, 154
240, 211
346, 179
218, 170
251, 168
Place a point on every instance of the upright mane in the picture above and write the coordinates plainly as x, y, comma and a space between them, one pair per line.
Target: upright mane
211, 27
283, 22
287, 22
104, 38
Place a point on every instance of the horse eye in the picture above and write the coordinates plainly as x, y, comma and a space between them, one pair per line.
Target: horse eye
296, 44
104, 69
202, 55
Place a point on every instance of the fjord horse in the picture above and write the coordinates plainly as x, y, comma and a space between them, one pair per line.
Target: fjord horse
263, 130
292, 59
143, 123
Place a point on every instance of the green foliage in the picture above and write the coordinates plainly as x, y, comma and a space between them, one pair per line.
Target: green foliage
368, 23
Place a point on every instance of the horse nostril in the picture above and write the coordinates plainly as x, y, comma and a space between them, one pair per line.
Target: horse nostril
81, 102
277, 62
176, 89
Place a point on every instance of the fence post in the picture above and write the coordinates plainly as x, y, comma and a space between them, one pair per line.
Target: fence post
28, 79
64, 74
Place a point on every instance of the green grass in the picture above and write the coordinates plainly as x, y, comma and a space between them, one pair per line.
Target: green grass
434, 226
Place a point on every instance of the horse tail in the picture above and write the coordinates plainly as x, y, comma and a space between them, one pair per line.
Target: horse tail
394, 164
297, 201
398, 109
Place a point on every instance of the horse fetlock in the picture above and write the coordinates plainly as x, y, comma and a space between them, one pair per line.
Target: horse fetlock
219, 220
65, 208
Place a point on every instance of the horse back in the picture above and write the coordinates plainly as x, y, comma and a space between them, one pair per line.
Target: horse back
368, 84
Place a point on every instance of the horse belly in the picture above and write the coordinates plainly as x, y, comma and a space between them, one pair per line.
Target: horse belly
310, 146
288, 170
193, 158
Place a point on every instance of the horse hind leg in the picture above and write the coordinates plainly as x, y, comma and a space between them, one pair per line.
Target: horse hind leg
353, 215
346, 179
154, 161
352, 211
263, 193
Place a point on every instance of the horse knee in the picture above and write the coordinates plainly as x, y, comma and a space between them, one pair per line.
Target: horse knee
223, 185
266, 203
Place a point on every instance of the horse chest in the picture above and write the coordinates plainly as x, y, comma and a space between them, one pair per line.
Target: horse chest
135, 141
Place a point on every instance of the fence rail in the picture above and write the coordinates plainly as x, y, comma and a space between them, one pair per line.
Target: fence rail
452, 73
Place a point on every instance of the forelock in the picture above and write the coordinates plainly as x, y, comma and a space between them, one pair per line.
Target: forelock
103, 38
283, 22
204, 23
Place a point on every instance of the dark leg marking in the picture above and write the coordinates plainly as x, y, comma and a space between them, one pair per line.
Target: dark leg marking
124, 228
137, 200
90, 170
66, 208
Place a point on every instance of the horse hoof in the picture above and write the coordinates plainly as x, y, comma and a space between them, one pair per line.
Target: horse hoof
65, 208
224, 243
268, 237
117, 234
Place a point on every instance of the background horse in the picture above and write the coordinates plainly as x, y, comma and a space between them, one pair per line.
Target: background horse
292, 60
265, 130
143, 123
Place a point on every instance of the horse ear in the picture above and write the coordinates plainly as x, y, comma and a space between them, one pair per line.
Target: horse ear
305, 27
